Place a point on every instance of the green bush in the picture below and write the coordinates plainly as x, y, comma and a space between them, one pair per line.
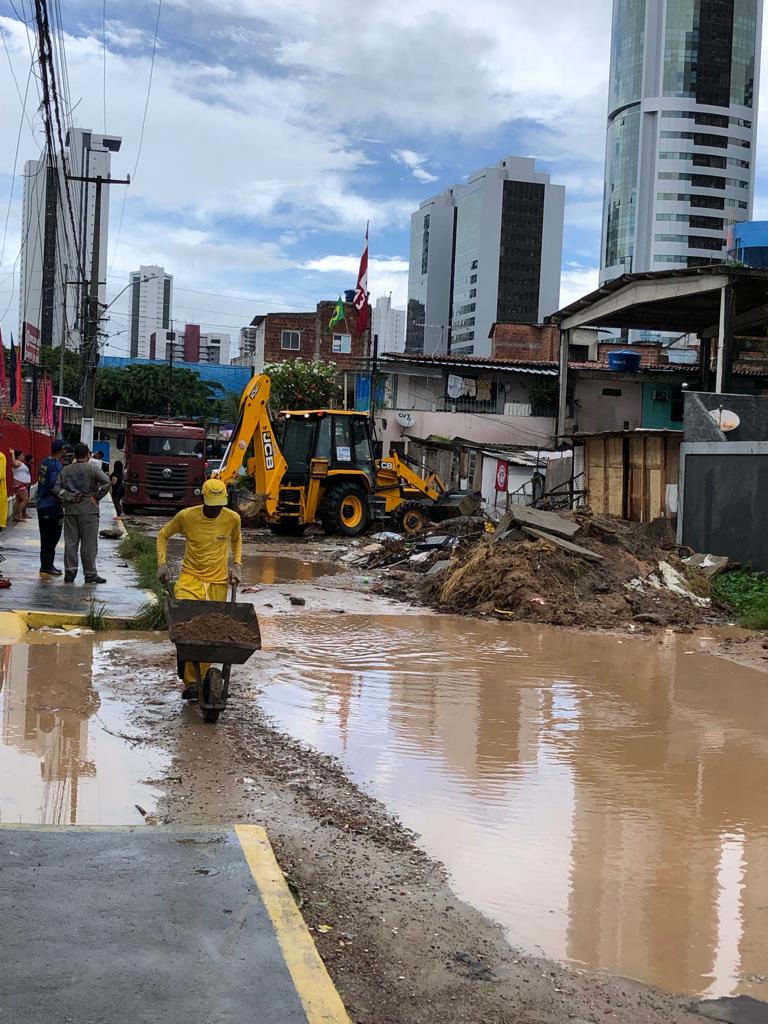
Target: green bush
746, 592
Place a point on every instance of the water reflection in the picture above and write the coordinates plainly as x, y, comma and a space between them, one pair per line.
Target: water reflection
57, 764
602, 799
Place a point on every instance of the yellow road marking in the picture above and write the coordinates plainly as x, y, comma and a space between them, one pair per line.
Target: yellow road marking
322, 1003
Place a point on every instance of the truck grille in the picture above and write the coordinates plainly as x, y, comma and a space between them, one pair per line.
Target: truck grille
161, 482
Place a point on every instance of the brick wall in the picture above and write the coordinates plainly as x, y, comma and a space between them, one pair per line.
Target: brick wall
535, 342
315, 337
650, 355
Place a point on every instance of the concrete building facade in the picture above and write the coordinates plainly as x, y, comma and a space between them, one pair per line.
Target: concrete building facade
681, 129
389, 325
190, 345
486, 250
151, 307
56, 247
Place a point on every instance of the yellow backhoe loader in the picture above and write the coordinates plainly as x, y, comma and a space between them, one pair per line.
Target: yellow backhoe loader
320, 466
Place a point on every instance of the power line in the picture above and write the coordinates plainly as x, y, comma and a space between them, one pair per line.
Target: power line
238, 298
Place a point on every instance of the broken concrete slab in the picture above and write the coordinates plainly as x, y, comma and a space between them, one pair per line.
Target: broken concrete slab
734, 1010
566, 545
550, 522
438, 567
709, 565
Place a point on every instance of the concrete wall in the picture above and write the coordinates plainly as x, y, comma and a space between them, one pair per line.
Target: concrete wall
532, 431
596, 411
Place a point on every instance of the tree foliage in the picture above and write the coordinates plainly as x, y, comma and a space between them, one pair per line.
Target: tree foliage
145, 388
299, 384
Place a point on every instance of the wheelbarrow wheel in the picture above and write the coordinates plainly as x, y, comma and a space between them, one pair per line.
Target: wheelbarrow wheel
213, 692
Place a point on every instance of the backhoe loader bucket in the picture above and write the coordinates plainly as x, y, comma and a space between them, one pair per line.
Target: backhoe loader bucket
247, 505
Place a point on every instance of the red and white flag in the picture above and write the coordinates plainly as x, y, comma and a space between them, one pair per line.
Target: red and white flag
360, 301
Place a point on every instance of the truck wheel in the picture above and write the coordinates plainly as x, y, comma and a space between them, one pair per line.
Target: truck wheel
411, 517
345, 509
288, 529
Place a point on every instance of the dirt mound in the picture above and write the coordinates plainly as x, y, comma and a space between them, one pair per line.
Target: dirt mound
639, 578
214, 629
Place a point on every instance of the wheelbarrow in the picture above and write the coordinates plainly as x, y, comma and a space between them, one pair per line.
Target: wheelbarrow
213, 688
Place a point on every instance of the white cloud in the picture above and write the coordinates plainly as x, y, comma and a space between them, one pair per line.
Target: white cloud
385, 274
414, 162
577, 281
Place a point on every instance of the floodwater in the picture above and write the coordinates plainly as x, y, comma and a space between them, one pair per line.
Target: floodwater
604, 799
266, 567
64, 758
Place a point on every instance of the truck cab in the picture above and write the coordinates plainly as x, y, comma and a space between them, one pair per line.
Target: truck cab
164, 464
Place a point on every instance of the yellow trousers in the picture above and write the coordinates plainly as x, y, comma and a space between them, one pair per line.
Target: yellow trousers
190, 588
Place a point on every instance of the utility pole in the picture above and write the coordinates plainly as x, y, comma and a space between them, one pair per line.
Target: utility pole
90, 348
374, 374
62, 343
169, 407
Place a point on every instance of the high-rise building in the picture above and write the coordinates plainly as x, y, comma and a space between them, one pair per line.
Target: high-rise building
483, 251
252, 340
389, 325
680, 152
57, 236
151, 305
748, 244
189, 345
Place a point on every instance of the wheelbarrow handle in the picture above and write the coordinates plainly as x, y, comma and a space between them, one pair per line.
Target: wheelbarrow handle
233, 594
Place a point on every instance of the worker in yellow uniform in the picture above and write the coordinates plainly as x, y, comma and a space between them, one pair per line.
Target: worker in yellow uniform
211, 531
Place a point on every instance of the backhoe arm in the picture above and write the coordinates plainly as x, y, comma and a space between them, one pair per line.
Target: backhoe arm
253, 424
432, 487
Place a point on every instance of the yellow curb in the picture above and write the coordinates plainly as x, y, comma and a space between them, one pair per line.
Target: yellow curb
322, 1003
58, 620
12, 625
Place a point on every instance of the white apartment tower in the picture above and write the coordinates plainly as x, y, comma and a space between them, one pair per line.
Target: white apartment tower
486, 250
389, 325
151, 305
56, 242
682, 119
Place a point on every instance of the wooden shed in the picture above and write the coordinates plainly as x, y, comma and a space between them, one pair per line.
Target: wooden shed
632, 473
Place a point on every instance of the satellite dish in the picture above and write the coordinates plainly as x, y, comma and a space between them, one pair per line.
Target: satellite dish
405, 419
725, 419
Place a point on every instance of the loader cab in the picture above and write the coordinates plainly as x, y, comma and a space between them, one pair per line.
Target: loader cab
343, 441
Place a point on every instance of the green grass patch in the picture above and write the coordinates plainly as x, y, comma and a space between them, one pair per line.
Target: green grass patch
745, 592
96, 616
141, 550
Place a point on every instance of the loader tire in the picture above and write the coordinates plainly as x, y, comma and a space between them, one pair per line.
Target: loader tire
345, 509
411, 518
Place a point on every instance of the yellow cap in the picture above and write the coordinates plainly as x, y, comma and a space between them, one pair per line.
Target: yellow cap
214, 492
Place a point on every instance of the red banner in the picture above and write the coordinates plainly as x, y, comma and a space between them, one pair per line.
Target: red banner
30, 344
501, 474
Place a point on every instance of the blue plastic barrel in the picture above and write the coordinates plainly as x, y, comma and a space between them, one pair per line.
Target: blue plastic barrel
624, 361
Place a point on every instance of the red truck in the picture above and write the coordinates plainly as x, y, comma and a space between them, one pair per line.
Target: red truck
164, 463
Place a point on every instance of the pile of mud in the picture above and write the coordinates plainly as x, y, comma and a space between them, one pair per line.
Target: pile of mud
215, 629
640, 578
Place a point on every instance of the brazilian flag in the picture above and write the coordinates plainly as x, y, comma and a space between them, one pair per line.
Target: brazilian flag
338, 315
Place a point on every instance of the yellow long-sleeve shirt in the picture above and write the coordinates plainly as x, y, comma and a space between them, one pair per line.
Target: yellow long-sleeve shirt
206, 554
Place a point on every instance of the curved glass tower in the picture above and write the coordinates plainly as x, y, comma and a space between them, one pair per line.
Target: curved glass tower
682, 110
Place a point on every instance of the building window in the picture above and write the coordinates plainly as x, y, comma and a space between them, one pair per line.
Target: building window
612, 392
342, 344
290, 341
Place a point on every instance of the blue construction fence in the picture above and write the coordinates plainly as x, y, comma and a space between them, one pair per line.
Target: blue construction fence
232, 378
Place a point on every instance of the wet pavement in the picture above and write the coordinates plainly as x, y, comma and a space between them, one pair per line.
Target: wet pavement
68, 751
20, 547
601, 797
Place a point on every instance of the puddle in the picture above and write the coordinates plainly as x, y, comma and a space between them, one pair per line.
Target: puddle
602, 799
59, 762
264, 567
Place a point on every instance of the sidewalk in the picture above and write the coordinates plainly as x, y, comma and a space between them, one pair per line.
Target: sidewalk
50, 599
154, 924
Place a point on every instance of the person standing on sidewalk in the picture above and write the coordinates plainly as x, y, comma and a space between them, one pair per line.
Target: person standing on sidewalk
81, 486
50, 513
22, 480
118, 488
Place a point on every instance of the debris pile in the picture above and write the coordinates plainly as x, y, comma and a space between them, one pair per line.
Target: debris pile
568, 569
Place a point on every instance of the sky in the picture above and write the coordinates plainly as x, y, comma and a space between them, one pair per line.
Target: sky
275, 129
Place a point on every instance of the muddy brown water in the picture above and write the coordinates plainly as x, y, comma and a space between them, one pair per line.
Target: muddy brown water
604, 799
68, 751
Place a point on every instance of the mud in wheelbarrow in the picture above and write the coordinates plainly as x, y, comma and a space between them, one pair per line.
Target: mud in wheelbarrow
213, 688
